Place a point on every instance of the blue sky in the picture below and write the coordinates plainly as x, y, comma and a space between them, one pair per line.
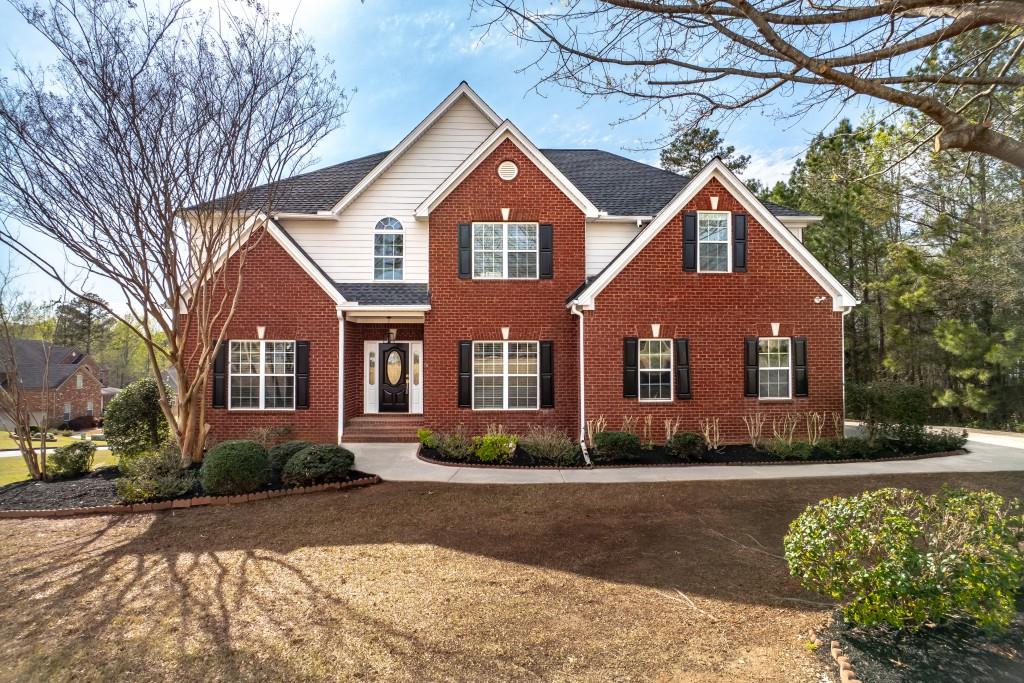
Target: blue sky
402, 58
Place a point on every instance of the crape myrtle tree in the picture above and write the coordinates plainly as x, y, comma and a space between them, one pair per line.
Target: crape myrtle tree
701, 58
136, 153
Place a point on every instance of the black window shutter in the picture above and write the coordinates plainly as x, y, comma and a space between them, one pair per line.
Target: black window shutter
465, 374
630, 376
739, 242
750, 366
800, 366
465, 250
683, 368
547, 375
220, 375
302, 375
546, 239
690, 241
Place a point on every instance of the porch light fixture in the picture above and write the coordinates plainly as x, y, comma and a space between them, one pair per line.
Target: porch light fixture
261, 331
392, 334
504, 333
714, 203
775, 329
655, 330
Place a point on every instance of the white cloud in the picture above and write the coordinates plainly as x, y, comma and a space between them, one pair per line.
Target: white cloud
770, 166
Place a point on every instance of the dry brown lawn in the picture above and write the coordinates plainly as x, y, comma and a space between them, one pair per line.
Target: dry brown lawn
421, 582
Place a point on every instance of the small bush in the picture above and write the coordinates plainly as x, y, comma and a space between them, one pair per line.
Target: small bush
550, 445
234, 467
426, 437
455, 446
133, 421
153, 476
784, 450
616, 446
687, 446
72, 460
280, 454
318, 464
66, 433
850, 448
915, 439
884, 404
496, 448
899, 558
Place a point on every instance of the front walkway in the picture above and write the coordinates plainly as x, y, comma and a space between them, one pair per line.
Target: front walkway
398, 462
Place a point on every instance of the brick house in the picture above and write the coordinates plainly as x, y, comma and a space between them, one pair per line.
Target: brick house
467, 277
60, 383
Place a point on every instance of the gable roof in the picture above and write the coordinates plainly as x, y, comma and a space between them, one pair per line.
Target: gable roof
842, 299
33, 357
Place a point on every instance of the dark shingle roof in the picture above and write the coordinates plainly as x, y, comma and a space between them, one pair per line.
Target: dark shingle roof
385, 293
33, 356
317, 190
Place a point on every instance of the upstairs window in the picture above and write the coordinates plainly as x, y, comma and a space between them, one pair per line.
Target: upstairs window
713, 253
505, 251
388, 250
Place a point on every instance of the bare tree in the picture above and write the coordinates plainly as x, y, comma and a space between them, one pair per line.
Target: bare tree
138, 151
721, 56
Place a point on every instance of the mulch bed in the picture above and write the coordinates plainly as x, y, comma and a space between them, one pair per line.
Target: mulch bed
90, 490
660, 456
954, 652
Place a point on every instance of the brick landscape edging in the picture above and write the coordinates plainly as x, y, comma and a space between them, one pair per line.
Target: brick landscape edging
846, 672
183, 503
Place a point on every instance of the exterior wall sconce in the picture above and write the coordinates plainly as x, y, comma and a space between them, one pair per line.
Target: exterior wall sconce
261, 331
819, 299
504, 333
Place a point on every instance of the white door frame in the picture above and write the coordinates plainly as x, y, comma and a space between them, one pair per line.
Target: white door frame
371, 395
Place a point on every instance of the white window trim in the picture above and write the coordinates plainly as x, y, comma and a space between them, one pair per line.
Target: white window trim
378, 231
263, 376
671, 370
89, 408
789, 380
79, 381
728, 240
504, 375
504, 250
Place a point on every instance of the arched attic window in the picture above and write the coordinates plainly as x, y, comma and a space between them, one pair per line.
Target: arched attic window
388, 249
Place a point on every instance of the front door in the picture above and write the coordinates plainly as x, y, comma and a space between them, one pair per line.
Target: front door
394, 378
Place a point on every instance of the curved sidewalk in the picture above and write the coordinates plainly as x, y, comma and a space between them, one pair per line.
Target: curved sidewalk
398, 462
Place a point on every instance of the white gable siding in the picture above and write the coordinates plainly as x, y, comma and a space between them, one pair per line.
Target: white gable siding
604, 241
344, 248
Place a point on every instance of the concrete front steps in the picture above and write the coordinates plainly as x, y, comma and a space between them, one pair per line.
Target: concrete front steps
382, 428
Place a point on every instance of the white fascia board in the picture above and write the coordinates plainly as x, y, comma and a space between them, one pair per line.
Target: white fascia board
800, 221
463, 90
842, 299
507, 131
606, 218
356, 306
320, 216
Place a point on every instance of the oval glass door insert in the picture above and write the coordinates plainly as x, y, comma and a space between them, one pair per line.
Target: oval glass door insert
394, 367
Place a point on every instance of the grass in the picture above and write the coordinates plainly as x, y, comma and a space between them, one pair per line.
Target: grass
428, 582
13, 469
7, 443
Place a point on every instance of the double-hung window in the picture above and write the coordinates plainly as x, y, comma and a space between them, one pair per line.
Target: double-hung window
505, 251
773, 368
262, 375
713, 242
506, 375
655, 369
388, 250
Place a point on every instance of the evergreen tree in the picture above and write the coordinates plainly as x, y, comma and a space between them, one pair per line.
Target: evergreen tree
692, 148
83, 323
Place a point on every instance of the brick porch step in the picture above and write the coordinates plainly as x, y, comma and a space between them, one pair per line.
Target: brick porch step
382, 428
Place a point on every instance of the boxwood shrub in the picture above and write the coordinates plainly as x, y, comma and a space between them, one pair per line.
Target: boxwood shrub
281, 453
72, 460
157, 475
616, 446
687, 446
318, 464
234, 467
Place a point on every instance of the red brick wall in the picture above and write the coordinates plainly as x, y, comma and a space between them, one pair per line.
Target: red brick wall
478, 309
715, 312
278, 294
355, 335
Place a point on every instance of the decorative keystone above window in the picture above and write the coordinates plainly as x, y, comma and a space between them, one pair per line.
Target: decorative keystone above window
507, 170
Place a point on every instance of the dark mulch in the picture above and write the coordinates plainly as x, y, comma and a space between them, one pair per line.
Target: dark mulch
95, 488
659, 455
954, 652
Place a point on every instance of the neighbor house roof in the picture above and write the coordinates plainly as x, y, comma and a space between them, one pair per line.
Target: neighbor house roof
613, 183
385, 293
36, 358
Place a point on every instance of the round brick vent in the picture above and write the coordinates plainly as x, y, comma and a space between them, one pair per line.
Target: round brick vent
507, 170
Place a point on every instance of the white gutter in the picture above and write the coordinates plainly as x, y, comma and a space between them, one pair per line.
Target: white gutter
575, 310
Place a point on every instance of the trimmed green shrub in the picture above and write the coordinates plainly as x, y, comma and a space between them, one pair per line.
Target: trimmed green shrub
72, 460
915, 439
154, 476
550, 445
318, 464
426, 437
455, 446
496, 448
687, 446
234, 467
133, 421
899, 558
280, 454
884, 404
797, 450
616, 445
849, 448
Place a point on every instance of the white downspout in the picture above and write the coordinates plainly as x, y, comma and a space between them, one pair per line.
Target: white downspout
341, 374
842, 339
575, 310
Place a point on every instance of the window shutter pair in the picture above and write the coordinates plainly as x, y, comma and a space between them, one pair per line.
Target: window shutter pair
798, 349
739, 242
545, 251
220, 375
631, 368
547, 374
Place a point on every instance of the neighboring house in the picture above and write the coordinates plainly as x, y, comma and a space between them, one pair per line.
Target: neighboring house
60, 383
467, 278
